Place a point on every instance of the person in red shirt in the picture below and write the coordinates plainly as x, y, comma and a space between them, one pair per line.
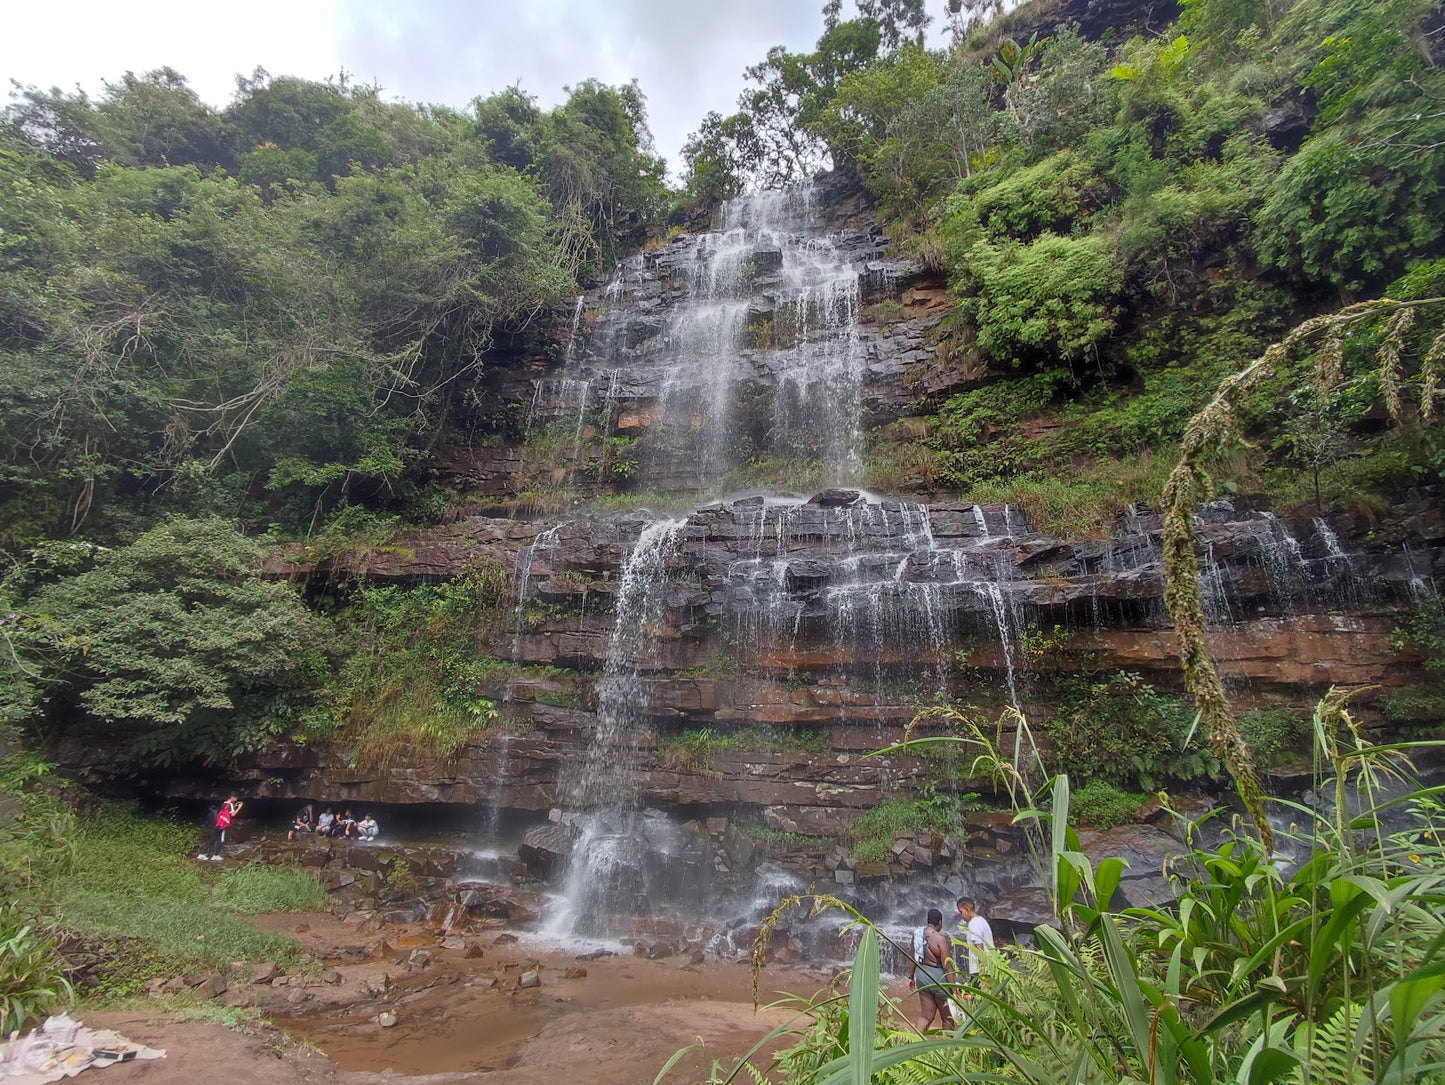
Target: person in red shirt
216, 831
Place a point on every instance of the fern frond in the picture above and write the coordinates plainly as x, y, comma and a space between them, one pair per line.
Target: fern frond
1328, 1053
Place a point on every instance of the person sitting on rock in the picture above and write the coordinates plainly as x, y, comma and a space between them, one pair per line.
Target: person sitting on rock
304, 822
346, 824
367, 828
326, 823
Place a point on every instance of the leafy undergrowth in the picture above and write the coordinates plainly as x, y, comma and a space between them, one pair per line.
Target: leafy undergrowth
116, 899
873, 832
135, 878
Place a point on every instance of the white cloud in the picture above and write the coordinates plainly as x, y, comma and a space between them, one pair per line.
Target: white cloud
90, 42
688, 55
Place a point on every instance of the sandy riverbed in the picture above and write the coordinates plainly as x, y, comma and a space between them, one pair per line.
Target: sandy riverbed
464, 1019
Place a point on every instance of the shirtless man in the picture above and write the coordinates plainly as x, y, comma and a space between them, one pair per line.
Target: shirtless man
929, 974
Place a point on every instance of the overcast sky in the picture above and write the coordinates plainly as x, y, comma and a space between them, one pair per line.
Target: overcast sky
689, 55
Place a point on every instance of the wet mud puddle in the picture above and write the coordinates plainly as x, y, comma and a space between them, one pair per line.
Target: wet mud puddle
456, 1014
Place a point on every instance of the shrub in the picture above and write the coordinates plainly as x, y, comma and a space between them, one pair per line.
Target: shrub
31, 980
1271, 733
1053, 296
412, 678
1101, 805
1123, 732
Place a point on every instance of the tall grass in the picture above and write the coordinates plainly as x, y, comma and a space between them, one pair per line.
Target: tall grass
134, 878
31, 979
1332, 974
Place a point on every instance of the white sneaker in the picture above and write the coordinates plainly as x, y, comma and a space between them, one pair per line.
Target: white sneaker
216, 858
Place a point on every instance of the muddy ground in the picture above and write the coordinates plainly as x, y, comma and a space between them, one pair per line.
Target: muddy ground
462, 1015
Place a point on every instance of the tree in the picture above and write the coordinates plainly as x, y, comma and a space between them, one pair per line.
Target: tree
509, 123
300, 115
899, 22
793, 94
597, 165
179, 636
716, 158
157, 120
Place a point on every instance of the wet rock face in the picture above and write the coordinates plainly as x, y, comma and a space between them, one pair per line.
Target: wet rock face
818, 626
777, 334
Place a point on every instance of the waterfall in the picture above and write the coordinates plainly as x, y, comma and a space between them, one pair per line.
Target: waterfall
499, 795
605, 873
736, 358
746, 341
545, 542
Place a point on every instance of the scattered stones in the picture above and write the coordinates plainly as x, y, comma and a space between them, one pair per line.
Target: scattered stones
575, 972
419, 958
454, 941
595, 955
504, 940
297, 996
331, 977
377, 984
265, 973
386, 1020
474, 951
448, 915
212, 986
531, 978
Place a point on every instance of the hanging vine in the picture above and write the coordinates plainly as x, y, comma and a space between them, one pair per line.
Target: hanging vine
1213, 429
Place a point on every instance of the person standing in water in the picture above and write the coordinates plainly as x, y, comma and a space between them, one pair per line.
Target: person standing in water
930, 974
978, 934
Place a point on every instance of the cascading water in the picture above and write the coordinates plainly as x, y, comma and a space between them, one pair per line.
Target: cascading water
745, 346
545, 543
769, 305
606, 874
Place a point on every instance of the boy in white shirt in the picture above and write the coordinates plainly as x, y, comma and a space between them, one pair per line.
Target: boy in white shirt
977, 933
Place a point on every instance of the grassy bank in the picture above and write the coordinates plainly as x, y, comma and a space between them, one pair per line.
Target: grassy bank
111, 899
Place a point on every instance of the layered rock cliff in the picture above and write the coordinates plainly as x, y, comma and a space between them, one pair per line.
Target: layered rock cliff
734, 659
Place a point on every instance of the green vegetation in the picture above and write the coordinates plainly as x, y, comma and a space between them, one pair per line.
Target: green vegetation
1101, 805
175, 635
134, 882
412, 668
271, 310
1329, 973
693, 749
873, 832
1274, 736
1121, 731
31, 978
801, 841
124, 891
1423, 630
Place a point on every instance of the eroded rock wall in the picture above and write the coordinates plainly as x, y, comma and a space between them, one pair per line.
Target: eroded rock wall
816, 630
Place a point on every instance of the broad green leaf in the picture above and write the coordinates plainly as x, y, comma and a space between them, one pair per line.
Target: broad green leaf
863, 1008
